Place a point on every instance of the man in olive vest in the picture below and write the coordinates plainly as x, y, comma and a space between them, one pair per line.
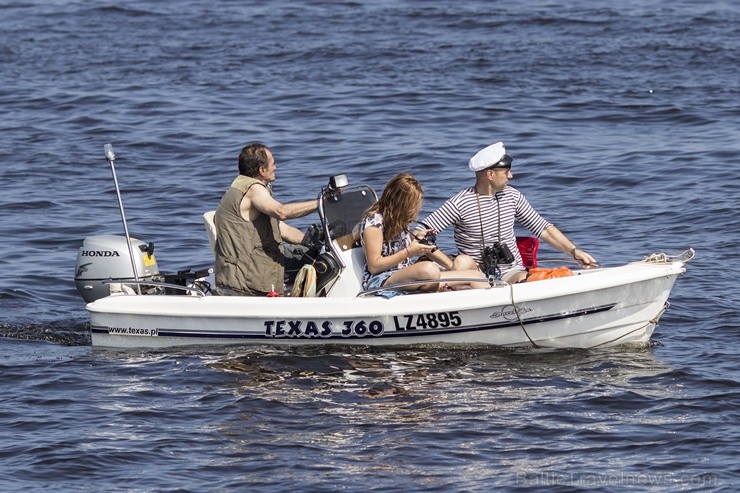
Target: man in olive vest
250, 230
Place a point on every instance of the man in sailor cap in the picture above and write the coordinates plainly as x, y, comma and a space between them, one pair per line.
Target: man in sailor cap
484, 214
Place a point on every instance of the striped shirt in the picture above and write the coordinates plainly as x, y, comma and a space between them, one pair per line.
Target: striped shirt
477, 227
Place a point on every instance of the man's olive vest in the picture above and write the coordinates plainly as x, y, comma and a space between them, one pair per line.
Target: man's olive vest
249, 254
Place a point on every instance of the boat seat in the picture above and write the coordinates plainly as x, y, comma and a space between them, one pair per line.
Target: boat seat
209, 223
528, 246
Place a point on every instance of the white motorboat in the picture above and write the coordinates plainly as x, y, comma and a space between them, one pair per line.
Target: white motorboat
592, 308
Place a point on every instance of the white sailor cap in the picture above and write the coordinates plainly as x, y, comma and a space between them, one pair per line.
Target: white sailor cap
493, 156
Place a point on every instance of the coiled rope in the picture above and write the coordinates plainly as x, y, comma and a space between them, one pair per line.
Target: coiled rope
657, 258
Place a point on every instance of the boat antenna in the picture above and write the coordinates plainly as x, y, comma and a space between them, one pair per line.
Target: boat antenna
110, 156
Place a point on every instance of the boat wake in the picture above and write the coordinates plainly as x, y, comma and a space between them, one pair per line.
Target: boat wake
62, 332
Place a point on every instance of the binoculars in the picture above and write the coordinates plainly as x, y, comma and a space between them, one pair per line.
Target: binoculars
496, 254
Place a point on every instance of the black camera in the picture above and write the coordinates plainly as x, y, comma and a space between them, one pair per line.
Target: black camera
429, 239
498, 253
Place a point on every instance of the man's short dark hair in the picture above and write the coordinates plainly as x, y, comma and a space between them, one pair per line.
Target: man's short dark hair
252, 158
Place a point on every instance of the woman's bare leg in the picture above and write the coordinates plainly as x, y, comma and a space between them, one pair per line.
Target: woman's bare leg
421, 271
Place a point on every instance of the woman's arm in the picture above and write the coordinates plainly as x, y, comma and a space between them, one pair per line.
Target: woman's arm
373, 246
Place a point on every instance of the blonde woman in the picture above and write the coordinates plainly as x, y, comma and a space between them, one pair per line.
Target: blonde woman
390, 247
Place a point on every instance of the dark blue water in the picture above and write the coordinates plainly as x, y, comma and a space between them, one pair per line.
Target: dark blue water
624, 123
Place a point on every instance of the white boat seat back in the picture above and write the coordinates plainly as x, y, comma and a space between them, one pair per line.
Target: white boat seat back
349, 282
210, 224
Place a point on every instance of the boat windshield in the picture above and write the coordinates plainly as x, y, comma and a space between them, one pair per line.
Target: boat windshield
343, 209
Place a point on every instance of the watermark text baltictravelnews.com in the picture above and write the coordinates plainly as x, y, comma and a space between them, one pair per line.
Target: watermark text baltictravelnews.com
616, 479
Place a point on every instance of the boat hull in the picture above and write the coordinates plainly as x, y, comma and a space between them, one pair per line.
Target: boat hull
603, 307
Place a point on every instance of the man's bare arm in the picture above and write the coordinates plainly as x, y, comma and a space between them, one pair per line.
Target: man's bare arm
259, 199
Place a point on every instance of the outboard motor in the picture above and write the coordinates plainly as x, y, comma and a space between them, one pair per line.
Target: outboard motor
106, 257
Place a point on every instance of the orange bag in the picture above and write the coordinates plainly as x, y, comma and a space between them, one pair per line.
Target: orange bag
540, 274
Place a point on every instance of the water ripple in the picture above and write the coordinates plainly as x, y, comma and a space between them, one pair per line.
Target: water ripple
622, 126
